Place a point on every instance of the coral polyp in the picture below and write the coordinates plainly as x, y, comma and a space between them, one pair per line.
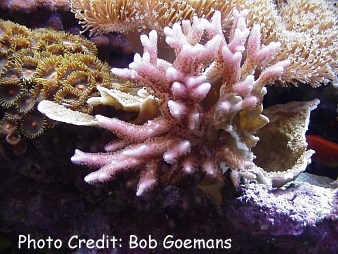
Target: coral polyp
13, 138
25, 102
81, 81
33, 125
9, 92
69, 96
46, 70
7, 126
28, 68
11, 73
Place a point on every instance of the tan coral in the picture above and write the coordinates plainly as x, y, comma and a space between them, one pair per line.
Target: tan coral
159, 14
60, 113
101, 13
282, 152
145, 104
312, 28
306, 29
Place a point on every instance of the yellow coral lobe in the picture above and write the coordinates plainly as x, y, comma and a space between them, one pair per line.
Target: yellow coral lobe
251, 120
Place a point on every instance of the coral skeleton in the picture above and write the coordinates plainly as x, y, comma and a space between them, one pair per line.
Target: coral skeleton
209, 101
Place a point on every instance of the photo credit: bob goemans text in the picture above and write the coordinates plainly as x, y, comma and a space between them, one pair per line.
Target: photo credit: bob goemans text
27, 242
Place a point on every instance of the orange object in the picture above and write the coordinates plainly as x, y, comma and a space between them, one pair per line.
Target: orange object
326, 150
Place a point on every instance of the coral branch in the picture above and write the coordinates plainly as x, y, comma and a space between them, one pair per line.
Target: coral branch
196, 133
132, 132
210, 105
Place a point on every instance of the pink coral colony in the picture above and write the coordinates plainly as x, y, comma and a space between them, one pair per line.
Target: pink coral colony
210, 104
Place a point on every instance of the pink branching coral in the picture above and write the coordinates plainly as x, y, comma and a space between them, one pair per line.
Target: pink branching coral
210, 104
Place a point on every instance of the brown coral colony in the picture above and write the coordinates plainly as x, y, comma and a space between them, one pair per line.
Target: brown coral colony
43, 64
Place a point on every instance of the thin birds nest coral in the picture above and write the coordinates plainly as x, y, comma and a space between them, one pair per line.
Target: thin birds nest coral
208, 105
306, 29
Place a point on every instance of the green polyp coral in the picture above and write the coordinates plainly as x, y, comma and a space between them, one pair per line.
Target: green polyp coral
38, 64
